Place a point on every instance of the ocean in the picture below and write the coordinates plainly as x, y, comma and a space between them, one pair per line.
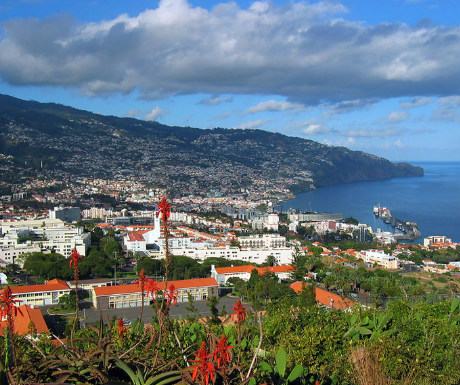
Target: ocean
432, 200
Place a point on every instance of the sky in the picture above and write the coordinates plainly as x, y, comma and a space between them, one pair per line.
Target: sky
376, 76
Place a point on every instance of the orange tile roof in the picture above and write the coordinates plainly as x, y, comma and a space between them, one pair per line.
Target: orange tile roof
137, 236
22, 322
52, 285
324, 297
134, 287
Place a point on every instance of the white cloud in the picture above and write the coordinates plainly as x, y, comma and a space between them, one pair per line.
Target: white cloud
399, 144
378, 133
215, 100
253, 124
416, 102
447, 109
299, 50
274, 105
155, 113
450, 101
397, 117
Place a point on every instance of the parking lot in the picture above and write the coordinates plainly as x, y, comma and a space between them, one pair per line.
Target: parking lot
90, 315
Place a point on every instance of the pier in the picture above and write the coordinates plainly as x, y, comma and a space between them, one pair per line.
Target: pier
407, 230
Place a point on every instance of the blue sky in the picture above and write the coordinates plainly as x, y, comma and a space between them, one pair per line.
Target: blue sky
377, 76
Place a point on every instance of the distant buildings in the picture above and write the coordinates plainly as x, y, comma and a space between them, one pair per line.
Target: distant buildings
66, 214
25, 236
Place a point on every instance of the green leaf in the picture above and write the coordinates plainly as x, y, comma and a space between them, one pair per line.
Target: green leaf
295, 373
364, 331
244, 343
353, 319
252, 381
265, 367
281, 360
165, 378
228, 329
128, 371
454, 305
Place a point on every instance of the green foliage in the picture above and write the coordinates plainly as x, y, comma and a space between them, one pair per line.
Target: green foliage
139, 378
47, 266
278, 374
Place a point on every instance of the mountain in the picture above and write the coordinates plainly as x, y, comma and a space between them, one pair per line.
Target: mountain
61, 142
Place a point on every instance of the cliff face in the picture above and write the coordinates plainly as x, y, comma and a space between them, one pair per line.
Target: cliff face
63, 141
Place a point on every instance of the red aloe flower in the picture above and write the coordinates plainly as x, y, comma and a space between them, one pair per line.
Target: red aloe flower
121, 327
151, 287
221, 353
142, 279
74, 257
240, 311
204, 369
142, 282
164, 208
172, 295
8, 307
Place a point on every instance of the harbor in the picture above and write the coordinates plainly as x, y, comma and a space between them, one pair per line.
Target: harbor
403, 229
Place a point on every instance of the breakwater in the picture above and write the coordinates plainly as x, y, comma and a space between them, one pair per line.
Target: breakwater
403, 229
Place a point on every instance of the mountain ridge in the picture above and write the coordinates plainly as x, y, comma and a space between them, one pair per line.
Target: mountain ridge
62, 141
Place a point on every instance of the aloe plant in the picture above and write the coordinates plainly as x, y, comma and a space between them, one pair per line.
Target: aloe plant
278, 374
140, 378
372, 329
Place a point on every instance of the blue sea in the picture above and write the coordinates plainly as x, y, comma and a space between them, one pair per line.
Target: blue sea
432, 200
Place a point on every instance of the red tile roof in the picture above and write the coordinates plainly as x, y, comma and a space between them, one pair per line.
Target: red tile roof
52, 285
135, 288
324, 297
22, 322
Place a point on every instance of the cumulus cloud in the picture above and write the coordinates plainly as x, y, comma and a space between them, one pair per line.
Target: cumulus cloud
155, 113
253, 124
274, 105
416, 102
397, 117
302, 51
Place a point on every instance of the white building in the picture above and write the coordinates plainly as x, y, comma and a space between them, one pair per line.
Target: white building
262, 241
436, 239
66, 214
379, 258
10, 255
282, 256
48, 234
223, 274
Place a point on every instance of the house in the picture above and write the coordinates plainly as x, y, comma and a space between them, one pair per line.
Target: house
223, 274
122, 296
326, 298
42, 294
27, 319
